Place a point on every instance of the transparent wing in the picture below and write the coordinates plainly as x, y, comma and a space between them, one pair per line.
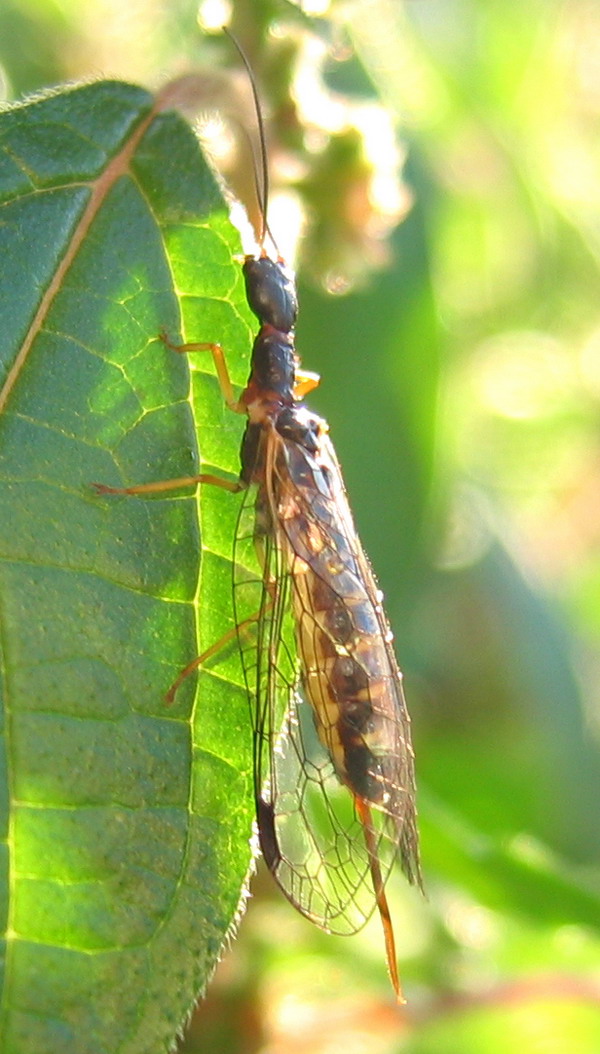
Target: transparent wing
265, 628
322, 863
349, 667
312, 836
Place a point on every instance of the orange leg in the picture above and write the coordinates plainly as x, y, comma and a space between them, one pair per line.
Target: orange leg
305, 382
200, 659
220, 365
171, 484
204, 477
188, 481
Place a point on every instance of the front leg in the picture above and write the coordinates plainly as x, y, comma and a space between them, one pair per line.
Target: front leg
220, 365
171, 484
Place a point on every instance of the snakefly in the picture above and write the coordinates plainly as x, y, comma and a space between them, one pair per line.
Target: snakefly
333, 763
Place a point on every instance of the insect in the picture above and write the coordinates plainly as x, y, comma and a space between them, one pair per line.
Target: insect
333, 763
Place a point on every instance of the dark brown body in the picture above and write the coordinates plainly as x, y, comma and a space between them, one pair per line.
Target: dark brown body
313, 563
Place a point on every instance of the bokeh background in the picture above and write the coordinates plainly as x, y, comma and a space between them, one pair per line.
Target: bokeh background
436, 177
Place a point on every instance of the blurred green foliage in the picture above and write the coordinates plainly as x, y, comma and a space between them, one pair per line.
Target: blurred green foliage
461, 380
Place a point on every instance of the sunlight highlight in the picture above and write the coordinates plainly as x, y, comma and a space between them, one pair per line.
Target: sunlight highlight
523, 375
213, 15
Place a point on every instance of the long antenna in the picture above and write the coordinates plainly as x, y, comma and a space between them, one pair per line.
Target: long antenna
263, 198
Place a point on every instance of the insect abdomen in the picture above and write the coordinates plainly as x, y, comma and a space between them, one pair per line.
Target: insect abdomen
348, 672
348, 684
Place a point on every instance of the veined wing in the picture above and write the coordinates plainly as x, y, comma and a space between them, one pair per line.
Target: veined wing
311, 836
265, 630
348, 663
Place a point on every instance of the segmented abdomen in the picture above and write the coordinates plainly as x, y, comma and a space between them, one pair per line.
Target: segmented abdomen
348, 670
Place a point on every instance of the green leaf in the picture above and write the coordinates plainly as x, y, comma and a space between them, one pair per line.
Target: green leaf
127, 824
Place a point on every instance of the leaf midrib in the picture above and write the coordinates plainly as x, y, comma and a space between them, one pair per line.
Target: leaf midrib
118, 166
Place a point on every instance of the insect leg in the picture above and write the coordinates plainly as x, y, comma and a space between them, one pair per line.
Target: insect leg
171, 484
364, 815
220, 365
214, 648
188, 481
305, 382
